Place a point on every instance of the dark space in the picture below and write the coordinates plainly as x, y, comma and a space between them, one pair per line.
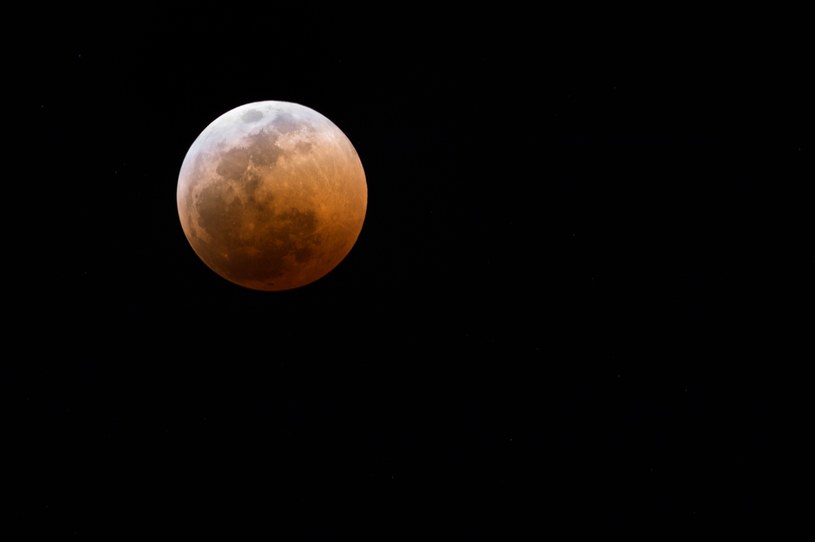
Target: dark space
573, 306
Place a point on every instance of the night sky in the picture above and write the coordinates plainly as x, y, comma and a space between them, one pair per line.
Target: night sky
570, 306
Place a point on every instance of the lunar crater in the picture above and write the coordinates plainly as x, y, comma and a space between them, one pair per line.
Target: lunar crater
253, 115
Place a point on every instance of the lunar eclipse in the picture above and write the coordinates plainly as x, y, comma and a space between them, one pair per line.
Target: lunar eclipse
272, 195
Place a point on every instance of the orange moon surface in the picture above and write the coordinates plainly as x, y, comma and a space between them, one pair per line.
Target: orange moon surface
272, 195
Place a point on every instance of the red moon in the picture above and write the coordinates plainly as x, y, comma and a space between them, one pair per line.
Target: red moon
272, 195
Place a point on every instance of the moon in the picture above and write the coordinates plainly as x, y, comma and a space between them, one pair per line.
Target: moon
272, 195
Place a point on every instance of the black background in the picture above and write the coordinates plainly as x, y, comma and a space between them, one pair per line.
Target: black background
587, 250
